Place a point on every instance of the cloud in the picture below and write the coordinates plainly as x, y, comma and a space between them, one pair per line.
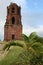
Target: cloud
29, 29
33, 22
1, 30
22, 3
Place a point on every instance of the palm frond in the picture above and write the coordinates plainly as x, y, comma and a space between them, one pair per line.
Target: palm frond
25, 38
7, 46
37, 47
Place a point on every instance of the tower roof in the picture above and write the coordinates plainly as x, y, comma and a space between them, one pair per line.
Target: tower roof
13, 4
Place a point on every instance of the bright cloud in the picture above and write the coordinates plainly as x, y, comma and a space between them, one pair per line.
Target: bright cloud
29, 29
22, 3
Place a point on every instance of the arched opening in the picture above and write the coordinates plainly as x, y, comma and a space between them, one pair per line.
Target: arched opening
13, 36
13, 20
8, 11
13, 10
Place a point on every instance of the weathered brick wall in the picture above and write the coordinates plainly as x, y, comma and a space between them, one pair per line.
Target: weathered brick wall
15, 28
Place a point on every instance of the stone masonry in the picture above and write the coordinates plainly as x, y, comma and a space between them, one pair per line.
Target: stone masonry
13, 25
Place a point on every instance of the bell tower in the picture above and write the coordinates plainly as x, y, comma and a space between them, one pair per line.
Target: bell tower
13, 25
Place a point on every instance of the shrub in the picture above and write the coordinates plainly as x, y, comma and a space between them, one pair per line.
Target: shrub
12, 43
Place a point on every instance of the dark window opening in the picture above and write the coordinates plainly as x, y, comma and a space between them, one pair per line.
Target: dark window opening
13, 10
13, 20
8, 11
19, 10
13, 37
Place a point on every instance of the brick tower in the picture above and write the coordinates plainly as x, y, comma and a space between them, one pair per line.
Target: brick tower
13, 25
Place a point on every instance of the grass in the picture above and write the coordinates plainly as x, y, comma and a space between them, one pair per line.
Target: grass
12, 55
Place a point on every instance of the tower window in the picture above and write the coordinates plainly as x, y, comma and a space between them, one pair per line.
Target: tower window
13, 36
13, 20
8, 11
19, 10
13, 10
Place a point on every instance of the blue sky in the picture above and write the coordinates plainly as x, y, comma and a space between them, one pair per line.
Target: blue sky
32, 15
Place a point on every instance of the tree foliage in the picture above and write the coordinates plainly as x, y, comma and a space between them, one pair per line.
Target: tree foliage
12, 43
33, 54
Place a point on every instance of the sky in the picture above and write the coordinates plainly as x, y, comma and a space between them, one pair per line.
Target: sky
31, 12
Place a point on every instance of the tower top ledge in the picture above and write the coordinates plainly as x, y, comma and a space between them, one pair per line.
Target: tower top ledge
13, 4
